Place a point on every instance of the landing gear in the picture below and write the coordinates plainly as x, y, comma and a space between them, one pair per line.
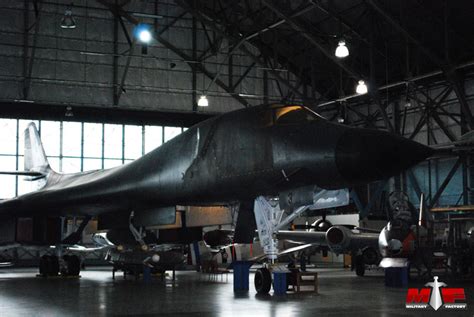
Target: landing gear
269, 219
49, 265
359, 265
360, 269
263, 281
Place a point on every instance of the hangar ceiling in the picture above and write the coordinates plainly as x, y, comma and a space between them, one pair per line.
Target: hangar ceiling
417, 57
238, 53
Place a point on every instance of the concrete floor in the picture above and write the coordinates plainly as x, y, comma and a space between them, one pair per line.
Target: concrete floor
95, 294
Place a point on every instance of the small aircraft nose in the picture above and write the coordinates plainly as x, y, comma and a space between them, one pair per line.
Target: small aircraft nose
364, 155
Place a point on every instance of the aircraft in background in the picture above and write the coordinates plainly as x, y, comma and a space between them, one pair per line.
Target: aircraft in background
360, 243
285, 151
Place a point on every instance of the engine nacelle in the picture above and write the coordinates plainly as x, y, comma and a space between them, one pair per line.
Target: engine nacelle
339, 239
370, 256
216, 239
391, 238
322, 225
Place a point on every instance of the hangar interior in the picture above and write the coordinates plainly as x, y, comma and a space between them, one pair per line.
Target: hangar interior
102, 97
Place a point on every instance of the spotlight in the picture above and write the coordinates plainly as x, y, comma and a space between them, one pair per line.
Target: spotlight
341, 50
67, 22
203, 102
143, 33
361, 88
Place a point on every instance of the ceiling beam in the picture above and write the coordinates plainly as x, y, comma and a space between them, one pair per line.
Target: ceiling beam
297, 26
449, 71
202, 69
56, 112
242, 41
117, 10
341, 21
329, 54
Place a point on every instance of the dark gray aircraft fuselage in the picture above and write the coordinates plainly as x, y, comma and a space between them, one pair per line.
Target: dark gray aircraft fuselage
235, 156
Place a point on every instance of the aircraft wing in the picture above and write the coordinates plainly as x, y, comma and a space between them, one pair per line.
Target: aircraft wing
313, 237
349, 240
80, 248
287, 251
370, 230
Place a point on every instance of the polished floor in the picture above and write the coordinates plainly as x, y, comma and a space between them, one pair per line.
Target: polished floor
96, 294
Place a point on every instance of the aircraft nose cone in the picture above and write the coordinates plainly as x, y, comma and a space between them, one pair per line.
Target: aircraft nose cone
364, 155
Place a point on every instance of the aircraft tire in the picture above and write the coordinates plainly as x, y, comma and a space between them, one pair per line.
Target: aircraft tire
49, 265
73, 265
360, 269
64, 268
43, 265
263, 281
54, 265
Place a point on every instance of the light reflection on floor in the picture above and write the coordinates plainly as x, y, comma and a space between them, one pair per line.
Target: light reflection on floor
95, 294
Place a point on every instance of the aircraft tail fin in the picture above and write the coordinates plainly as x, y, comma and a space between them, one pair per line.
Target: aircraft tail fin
35, 157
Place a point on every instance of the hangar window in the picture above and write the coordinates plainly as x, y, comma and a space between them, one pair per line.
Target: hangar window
90, 164
71, 165
93, 139
171, 132
133, 147
113, 139
50, 136
153, 137
72, 139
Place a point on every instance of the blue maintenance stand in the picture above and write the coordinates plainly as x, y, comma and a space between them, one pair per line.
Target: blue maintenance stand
396, 276
279, 283
396, 271
241, 275
146, 274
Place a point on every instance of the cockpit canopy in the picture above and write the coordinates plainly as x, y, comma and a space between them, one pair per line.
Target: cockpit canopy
278, 114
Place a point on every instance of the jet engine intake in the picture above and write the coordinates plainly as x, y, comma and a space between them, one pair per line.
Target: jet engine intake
339, 238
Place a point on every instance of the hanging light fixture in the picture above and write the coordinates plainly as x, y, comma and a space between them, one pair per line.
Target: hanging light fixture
143, 33
407, 96
144, 36
68, 22
69, 112
341, 49
407, 102
361, 88
203, 102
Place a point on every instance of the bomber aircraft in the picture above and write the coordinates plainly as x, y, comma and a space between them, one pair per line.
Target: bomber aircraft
247, 155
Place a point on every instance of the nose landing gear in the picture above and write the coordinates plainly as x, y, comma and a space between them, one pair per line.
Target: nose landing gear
263, 281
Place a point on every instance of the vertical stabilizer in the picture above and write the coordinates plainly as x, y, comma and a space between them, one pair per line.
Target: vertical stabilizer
35, 157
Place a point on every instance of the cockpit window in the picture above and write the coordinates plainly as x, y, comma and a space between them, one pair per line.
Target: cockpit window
286, 115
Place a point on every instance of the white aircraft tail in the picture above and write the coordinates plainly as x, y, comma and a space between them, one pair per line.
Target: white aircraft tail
35, 157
